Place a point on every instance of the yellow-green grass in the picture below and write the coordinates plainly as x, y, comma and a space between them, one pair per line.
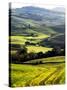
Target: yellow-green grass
17, 39
38, 49
34, 49
22, 39
40, 36
35, 75
55, 59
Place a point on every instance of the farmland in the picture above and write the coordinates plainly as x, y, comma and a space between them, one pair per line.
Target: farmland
20, 40
37, 47
42, 74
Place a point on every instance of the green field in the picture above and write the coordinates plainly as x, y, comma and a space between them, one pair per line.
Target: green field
36, 49
22, 39
52, 72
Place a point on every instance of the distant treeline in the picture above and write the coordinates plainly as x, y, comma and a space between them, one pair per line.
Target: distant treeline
22, 54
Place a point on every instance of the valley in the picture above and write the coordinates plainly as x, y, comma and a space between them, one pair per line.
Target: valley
37, 47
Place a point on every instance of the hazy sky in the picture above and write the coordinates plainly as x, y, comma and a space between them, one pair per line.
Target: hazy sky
48, 4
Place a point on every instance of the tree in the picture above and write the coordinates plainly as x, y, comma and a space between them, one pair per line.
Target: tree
27, 43
22, 54
56, 50
40, 54
22, 50
62, 52
29, 26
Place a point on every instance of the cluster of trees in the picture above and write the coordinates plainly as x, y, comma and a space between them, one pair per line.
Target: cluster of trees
26, 26
29, 43
22, 55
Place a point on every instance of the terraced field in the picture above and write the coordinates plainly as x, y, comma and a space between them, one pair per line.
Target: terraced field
52, 72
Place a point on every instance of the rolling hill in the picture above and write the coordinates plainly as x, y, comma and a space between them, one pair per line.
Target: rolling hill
40, 14
35, 21
37, 18
34, 34
56, 40
51, 72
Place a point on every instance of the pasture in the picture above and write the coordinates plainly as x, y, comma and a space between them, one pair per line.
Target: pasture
22, 39
36, 49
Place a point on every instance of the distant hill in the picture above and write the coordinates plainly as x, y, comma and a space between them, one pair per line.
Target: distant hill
59, 28
48, 17
21, 25
34, 20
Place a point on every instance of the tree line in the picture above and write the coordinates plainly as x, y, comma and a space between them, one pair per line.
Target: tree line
22, 54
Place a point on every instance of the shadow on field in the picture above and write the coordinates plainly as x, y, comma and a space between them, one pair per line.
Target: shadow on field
37, 63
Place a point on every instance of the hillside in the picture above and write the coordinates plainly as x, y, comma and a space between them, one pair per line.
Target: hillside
39, 14
42, 74
36, 22
56, 40
37, 47
38, 19
21, 26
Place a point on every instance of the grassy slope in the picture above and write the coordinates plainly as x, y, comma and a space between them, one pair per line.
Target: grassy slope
34, 75
48, 60
55, 40
31, 48
42, 74
36, 28
18, 23
36, 49
22, 39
